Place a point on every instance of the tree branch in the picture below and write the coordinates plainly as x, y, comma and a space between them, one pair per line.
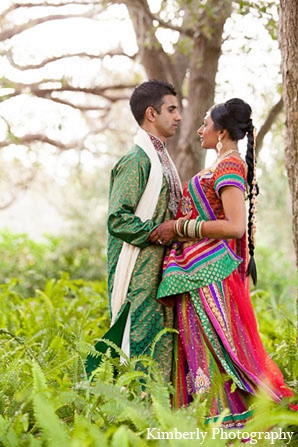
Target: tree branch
167, 24
110, 93
18, 29
21, 184
157, 63
34, 138
264, 129
44, 62
97, 91
17, 6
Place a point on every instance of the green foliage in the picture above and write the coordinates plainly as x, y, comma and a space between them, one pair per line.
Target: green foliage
274, 301
46, 399
274, 228
30, 264
277, 276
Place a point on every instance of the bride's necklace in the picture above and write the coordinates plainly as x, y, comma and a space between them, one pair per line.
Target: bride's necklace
225, 154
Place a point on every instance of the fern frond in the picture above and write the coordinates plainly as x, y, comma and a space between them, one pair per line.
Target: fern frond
127, 378
86, 433
116, 405
124, 437
105, 371
44, 411
159, 336
8, 436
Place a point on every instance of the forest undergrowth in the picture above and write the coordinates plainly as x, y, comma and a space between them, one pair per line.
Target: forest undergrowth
46, 399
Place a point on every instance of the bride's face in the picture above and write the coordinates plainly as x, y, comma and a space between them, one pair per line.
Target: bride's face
207, 133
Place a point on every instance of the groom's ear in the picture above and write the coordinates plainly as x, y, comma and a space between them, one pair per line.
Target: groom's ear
150, 113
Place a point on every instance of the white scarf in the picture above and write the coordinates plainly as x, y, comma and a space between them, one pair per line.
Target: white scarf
144, 210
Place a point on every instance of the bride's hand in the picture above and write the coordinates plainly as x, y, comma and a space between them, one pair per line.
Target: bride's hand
165, 232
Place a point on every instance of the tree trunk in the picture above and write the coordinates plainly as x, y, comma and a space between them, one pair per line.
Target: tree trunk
288, 39
203, 28
203, 68
289, 51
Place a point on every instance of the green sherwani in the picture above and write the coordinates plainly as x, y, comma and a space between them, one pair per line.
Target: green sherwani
148, 316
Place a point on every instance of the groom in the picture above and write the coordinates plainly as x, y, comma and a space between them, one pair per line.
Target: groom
145, 191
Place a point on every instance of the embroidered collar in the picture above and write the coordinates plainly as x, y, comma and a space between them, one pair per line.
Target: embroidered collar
157, 143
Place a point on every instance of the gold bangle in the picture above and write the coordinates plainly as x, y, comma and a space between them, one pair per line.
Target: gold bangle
199, 229
191, 229
177, 227
185, 226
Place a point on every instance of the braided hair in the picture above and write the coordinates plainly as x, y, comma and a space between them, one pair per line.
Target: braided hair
235, 116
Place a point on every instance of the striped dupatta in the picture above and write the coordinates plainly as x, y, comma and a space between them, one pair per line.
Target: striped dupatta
189, 265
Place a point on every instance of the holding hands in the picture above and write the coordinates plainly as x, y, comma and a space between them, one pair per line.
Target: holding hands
166, 231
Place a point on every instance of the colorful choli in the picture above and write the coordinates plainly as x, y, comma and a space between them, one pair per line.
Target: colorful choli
218, 350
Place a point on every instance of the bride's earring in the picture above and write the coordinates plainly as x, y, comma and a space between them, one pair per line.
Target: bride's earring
219, 144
